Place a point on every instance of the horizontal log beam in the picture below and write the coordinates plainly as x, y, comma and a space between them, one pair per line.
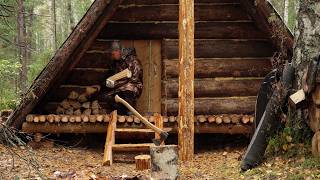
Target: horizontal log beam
221, 48
95, 60
101, 128
222, 67
169, 12
227, 105
216, 87
203, 30
87, 76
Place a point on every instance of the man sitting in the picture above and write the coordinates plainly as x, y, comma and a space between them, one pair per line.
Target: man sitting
127, 88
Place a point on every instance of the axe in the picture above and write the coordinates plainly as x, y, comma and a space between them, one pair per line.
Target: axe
163, 134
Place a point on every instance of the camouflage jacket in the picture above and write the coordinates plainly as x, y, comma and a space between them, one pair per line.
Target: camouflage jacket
135, 83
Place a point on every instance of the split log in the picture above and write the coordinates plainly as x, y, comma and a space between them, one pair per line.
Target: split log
42, 118
69, 111
75, 104
36, 119
92, 118
103, 111
316, 144
136, 119
143, 162
235, 119
72, 119
60, 110
86, 105
85, 118
95, 104
78, 118
245, 119
226, 119
164, 162
65, 104
50, 118
106, 118
95, 111
219, 119
64, 118
100, 118
211, 119
129, 119
251, 119
201, 118
87, 112
57, 118
121, 119
82, 98
73, 95
77, 112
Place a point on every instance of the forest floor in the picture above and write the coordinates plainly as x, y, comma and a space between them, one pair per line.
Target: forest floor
219, 159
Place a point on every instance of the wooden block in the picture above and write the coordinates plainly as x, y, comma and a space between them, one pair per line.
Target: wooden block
172, 119
75, 104
29, 118
251, 119
143, 162
165, 119
36, 119
65, 104
132, 147
211, 119
95, 105
95, 111
69, 111
164, 162
245, 119
103, 111
60, 110
297, 98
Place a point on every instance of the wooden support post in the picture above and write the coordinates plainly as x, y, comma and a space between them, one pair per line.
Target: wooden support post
186, 79
107, 158
164, 162
159, 124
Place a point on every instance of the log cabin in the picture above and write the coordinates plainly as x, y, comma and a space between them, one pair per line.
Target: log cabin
235, 42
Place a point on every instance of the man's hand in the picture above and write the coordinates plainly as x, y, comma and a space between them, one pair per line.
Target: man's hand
109, 83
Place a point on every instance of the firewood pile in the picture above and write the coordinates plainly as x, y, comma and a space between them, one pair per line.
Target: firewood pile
212, 119
79, 104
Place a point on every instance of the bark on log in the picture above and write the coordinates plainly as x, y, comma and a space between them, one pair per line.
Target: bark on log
143, 162
164, 160
314, 118
222, 67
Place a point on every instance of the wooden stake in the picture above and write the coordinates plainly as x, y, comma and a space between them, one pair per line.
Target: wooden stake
186, 79
107, 158
143, 162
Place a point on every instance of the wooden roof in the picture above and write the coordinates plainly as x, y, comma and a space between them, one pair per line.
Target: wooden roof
85, 33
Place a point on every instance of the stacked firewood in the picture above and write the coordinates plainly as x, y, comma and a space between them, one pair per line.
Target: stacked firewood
79, 104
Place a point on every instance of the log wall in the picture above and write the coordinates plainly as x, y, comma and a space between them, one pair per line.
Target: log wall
232, 55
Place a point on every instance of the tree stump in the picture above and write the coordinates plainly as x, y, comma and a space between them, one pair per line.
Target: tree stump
164, 162
143, 162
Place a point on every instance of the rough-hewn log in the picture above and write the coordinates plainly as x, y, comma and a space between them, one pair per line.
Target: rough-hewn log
216, 87
186, 77
207, 106
77, 43
164, 12
143, 162
222, 67
221, 48
160, 30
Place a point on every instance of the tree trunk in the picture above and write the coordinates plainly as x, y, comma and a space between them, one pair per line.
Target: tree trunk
70, 15
54, 24
30, 33
307, 44
22, 42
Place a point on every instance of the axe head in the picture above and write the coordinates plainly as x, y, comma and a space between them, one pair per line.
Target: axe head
163, 137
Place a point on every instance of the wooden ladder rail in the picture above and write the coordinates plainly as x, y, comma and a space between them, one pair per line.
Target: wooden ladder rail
110, 139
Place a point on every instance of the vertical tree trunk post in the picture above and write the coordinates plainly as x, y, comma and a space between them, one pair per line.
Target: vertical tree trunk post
186, 78
164, 162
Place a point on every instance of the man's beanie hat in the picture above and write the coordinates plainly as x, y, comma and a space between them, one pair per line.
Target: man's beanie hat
116, 45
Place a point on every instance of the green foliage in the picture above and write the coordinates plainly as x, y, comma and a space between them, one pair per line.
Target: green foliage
40, 61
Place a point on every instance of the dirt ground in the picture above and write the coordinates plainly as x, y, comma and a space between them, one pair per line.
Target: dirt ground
216, 157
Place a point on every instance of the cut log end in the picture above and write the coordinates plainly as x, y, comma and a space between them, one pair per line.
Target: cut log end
143, 162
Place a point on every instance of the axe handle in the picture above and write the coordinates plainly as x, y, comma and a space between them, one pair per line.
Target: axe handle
123, 74
143, 119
